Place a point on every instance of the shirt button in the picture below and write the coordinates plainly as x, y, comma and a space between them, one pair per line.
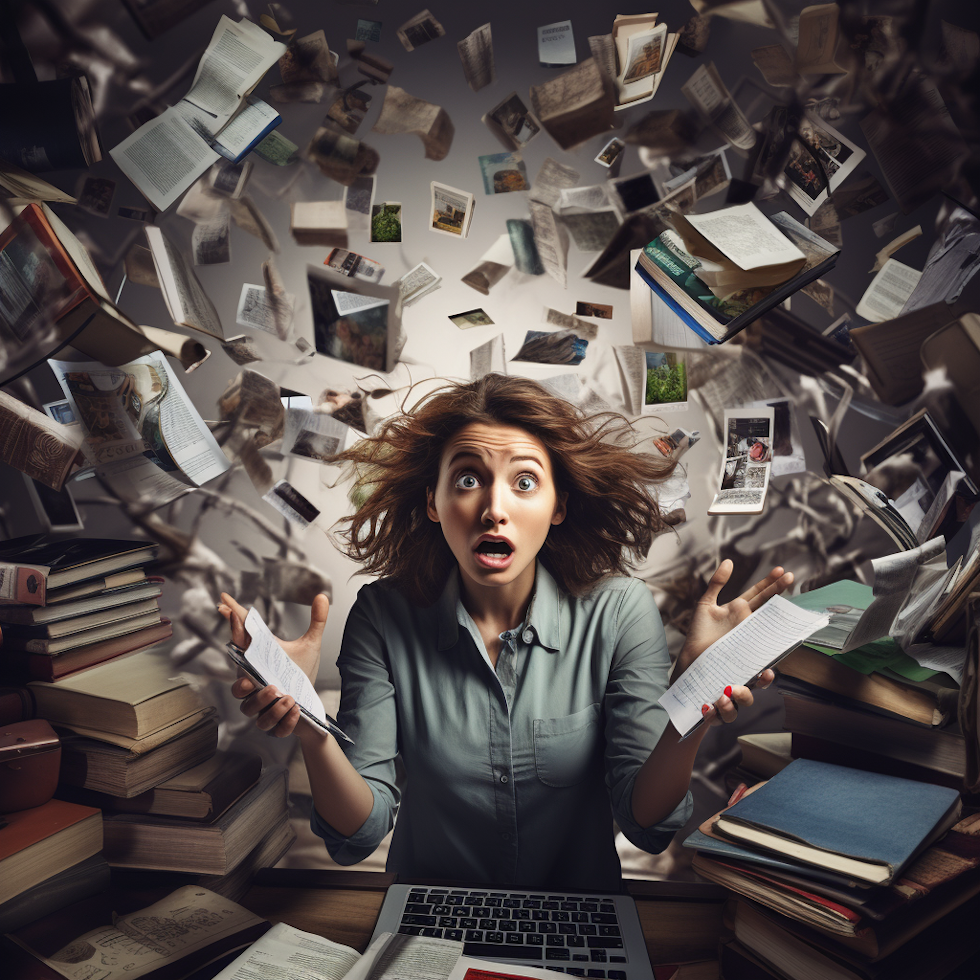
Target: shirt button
503, 777
528, 636
505, 836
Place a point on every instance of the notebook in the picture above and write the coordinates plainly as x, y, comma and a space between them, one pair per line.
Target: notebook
574, 932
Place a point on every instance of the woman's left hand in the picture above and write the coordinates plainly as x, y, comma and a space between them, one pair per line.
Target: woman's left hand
712, 621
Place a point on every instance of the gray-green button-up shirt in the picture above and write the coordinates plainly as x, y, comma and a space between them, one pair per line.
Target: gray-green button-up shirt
513, 775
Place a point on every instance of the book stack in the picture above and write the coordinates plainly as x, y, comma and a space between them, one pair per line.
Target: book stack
841, 873
872, 708
68, 605
140, 744
50, 856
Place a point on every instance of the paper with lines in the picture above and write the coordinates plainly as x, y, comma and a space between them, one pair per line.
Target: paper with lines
739, 657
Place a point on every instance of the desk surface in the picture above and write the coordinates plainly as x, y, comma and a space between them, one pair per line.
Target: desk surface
681, 920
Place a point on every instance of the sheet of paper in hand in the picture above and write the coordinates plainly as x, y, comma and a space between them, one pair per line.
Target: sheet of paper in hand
739, 657
267, 663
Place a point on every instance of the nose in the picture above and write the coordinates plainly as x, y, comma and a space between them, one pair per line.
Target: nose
495, 511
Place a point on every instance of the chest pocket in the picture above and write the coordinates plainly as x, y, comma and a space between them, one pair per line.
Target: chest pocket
565, 748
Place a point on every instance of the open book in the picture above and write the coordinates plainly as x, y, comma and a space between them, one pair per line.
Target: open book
285, 951
56, 297
167, 154
720, 271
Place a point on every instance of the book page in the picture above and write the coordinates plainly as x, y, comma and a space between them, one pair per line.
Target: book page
163, 158
167, 431
745, 469
284, 951
889, 291
710, 96
186, 299
746, 236
272, 665
738, 657
233, 64
252, 124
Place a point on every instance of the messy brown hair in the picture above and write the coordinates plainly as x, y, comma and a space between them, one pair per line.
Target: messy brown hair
612, 512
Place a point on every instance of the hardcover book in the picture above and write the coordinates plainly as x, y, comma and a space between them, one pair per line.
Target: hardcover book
674, 274
44, 841
133, 697
817, 814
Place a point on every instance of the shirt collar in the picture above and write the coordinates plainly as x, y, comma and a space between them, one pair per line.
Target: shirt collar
543, 615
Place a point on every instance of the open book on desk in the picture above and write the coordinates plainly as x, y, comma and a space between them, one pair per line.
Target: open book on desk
265, 662
390, 956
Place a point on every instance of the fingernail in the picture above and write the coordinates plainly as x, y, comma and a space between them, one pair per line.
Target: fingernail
705, 709
728, 691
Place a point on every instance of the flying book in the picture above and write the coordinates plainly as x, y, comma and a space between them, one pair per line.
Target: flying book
58, 283
877, 505
746, 263
863, 825
31, 565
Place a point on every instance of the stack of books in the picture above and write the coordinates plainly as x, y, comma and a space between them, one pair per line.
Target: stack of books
127, 725
50, 856
140, 744
841, 873
873, 707
68, 605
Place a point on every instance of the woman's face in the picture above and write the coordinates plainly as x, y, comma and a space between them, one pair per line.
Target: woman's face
496, 501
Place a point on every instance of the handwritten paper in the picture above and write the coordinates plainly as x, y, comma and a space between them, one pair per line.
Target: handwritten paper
270, 664
738, 657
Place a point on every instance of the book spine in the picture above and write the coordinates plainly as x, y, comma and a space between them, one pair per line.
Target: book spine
688, 319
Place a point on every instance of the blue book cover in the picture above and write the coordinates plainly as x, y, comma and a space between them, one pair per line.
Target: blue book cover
862, 824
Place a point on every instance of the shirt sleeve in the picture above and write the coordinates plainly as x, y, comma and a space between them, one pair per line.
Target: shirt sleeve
635, 720
368, 714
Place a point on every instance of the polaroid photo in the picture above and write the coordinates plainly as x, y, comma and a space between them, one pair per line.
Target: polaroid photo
610, 153
747, 462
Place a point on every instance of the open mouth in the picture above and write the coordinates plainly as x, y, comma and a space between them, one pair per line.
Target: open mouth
494, 554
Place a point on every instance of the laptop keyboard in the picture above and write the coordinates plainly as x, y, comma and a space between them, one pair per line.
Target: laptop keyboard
575, 934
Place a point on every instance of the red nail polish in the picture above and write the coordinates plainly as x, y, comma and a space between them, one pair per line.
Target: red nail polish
705, 709
728, 691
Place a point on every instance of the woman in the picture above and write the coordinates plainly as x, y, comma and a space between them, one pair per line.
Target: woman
504, 654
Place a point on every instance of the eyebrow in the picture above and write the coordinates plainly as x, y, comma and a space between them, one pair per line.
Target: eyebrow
471, 452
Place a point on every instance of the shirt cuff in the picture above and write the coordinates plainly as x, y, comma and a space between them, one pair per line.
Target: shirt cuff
655, 839
362, 843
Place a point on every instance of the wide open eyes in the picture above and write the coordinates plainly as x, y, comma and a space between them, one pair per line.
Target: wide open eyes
526, 482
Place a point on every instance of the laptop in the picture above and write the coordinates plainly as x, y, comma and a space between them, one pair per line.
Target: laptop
579, 933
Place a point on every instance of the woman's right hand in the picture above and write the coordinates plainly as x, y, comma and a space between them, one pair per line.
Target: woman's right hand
274, 713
